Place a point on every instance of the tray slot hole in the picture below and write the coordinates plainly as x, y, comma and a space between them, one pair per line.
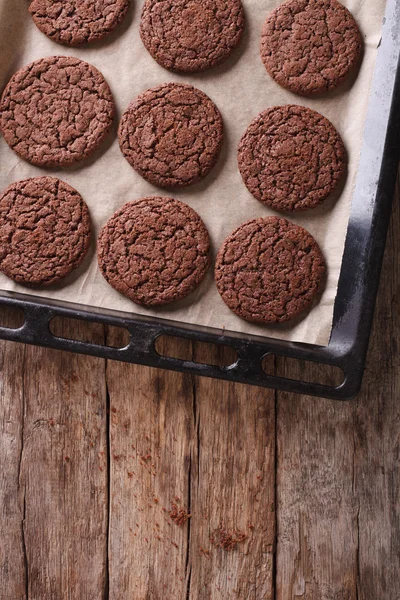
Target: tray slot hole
268, 364
207, 353
11, 317
89, 332
117, 337
296, 369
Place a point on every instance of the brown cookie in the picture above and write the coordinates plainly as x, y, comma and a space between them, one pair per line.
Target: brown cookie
171, 135
269, 270
56, 111
291, 158
310, 46
77, 22
44, 230
154, 251
191, 35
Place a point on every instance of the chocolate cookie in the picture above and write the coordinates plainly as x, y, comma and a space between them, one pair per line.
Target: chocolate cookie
171, 135
269, 270
56, 111
291, 158
77, 22
191, 35
44, 230
154, 251
309, 46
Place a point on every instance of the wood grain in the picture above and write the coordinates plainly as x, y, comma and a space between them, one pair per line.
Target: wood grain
317, 539
63, 473
12, 563
151, 428
377, 438
208, 448
338, 494
232, 489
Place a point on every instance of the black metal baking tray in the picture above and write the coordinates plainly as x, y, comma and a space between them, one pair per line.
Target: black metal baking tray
358, 282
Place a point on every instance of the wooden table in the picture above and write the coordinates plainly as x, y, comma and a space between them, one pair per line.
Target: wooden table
290, 496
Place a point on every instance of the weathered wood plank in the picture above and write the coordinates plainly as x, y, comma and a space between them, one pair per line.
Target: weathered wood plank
12, 564
207, 449
377, 439
338, 502
317, 538
150, 431
63, 474
232, 489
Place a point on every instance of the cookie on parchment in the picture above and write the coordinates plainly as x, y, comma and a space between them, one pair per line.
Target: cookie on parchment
56, 111
291, 158
154, 251
171, 135
77, 22
44, 230
269, 270
310, 46
191, 35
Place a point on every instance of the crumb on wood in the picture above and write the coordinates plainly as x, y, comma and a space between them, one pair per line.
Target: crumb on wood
204, 551
179, 515
227, 540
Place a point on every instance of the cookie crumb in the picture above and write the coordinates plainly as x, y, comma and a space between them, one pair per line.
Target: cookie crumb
227, 540
178, 515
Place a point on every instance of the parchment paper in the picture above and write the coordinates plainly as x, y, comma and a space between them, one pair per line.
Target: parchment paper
241, 88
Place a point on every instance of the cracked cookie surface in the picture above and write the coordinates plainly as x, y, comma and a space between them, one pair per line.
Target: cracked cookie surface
56, 111
171, 135
269, 270
291, 158
77, 22
154, 251
310, 46
191, 35
44, 230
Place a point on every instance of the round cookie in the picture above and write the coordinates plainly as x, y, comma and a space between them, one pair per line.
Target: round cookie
191, 35
77, 22
154, 251
56, 111
171, 135
269, 270
44, 230
291, 158
310, 46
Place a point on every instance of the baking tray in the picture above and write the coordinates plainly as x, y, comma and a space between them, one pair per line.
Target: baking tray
358, 281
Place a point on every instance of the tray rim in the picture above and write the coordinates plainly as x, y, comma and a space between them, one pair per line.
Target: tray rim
356, 292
